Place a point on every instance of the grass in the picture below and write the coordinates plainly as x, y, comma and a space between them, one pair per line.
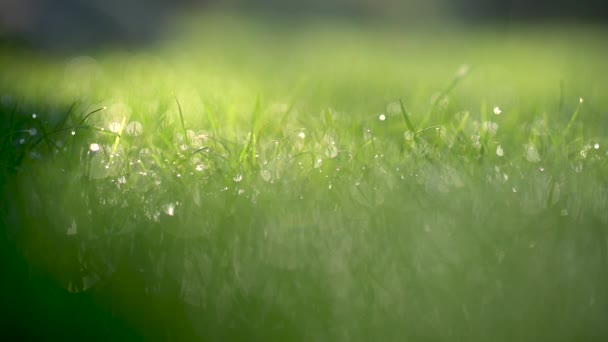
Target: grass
322, 181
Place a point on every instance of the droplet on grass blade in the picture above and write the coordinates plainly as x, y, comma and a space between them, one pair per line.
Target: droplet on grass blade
531, 154
94, 147
497, 111
490, 127
331, 151
134, 128
114, 126
169, 209
382, 117
499, 151
72, 229
266, 176
409, 135
238, 178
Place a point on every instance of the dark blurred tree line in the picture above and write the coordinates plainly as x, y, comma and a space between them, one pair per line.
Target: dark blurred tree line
71, 23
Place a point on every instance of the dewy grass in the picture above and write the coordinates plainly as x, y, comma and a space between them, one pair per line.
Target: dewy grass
279, 196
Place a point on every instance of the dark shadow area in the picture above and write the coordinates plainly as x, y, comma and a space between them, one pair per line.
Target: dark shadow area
71, 25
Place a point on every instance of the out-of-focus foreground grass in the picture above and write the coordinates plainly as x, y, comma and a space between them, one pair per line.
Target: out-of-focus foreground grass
260, 180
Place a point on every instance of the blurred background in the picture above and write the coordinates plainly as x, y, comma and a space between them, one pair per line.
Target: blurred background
65, 24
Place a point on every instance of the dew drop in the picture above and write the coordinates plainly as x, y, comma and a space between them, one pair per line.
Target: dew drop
134, 128
382, 117
114, 127
596, 146
331, 151
169, 209
72, 229
73, 132
490, 127
531, 154
497, 110
266, 176
94, 147
238, 178
499, 151
301, 135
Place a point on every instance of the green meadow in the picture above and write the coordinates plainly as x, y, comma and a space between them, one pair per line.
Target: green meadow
284, 179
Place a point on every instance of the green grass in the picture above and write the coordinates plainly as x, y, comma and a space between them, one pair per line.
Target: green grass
237, 182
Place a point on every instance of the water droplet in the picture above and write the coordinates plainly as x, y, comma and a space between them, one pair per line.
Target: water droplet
499, 151
513, 189
382, 117
331, 151
318, 163
580, 100
583, 152
72, 229
238, 178
463, 70
34, 116
200, 167
266, 176
301, 135
134, 128
596, 146
169, 209
531, 154
489, 127
179, 175
476, 139
94, 147
114, 127
541, 169
73, 132
497, 110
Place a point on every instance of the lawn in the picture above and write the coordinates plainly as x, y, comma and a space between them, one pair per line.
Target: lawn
274, 179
